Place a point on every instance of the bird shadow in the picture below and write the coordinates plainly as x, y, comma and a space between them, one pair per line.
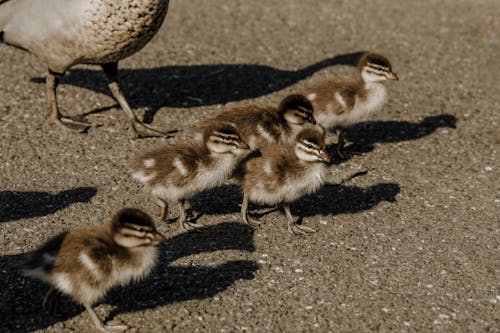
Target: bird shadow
16, 205
329, 200
366, 134
336, 200
21, 298
198, 85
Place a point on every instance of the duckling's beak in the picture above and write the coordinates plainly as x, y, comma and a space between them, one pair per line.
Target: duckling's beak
392, 76
312, 120
243, 145
323, 156
159, 238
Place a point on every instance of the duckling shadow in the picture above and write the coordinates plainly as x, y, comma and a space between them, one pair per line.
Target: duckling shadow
329, 200
16, 205
171, 283
21, 300
198, 85
21, 297
335, 200
364, 135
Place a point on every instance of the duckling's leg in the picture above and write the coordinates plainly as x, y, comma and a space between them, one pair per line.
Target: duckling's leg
140, 129
185, 225
340, 142
244, 212
293, 227
111, 327
55, 116
162, 209
51, 301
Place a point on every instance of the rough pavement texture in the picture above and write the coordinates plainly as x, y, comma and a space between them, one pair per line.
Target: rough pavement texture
412, 246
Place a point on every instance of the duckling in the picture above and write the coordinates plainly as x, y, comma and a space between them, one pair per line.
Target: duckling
340, 103
85, 263
284, 174
179, 171
263, 124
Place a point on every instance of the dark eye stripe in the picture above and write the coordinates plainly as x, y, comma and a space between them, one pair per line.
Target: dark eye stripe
229, 142
308, 145
304, 110
379, 67
303, 115
227, 136
138, 227
374, 71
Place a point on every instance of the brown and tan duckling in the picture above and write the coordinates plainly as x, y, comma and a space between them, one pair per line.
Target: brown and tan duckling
259, 125
283, 174
86, 263
340, 103
178, 171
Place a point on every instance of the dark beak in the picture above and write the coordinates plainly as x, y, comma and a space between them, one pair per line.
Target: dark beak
312, 120
323, 156
159, 238
392, 76
243, 145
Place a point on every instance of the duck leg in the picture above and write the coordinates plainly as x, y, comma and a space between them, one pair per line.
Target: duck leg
51, 302
244, 212
109, 328
70, 123
185, 225
340, 142
162, 209
140, 129
293, 227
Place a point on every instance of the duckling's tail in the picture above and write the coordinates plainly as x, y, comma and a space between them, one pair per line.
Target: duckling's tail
39, 263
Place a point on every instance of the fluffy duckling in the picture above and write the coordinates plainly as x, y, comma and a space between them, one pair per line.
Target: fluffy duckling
339, 103
284, 174
85, 263
179, 171
259, 125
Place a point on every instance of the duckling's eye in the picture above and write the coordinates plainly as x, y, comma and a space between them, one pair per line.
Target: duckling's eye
310, 146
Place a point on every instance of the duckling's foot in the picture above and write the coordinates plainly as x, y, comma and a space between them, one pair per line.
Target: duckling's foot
251, 221
187, 226
141, 130
51, 302
115, 326
75, 124
296, 229
340, 152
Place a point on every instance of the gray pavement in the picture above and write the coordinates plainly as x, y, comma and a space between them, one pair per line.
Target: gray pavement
412, 246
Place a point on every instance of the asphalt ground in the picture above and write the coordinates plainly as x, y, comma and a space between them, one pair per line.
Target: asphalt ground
411, 246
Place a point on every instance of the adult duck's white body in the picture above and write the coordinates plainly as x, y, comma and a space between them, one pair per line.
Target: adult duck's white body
63, 33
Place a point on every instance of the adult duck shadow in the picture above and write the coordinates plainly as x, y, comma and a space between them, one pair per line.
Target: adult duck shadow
198, 85
16, 205
366, 134
21, 297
